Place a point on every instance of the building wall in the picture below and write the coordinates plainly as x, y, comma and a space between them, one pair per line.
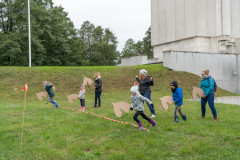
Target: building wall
181, 21
138, 60
224, 68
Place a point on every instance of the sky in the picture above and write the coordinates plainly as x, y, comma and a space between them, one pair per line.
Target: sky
126, 18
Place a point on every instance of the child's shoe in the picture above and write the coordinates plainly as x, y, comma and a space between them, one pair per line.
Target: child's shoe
184, 118
55, 104
176, 119
140, 126
153, 123
84, 108
153, 116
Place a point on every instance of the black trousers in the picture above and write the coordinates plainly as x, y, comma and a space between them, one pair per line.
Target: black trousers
97, 97
142, 114
82, 101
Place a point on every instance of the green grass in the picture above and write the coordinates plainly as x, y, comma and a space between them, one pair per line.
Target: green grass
63, 134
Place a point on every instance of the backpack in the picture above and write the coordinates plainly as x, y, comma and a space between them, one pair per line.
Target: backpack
215, 84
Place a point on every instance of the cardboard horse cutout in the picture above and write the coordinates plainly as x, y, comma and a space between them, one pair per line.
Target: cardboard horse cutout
197, 92
121, 106
40, 95
88, 81
165, 101
72, 97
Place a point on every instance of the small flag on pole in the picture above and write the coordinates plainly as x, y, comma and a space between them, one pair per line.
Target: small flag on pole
25, 88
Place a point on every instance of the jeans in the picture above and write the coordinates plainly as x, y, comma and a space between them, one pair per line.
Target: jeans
142, 114
82, 101
97, 97
210, 100
148, 96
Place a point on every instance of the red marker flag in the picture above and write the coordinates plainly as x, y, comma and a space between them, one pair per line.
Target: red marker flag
25, 88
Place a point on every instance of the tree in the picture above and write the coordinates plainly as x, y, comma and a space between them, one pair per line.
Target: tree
129, 49
100, 45
147, 47
55, 41
53, 34
139, 48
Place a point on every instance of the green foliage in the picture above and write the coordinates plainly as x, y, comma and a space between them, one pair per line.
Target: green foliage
55, 41
139, 48
100, 45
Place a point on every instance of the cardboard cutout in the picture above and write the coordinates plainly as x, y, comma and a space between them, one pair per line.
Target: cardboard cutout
165, 101
121, 106
40, 95
72, 97
88, 81
197, 92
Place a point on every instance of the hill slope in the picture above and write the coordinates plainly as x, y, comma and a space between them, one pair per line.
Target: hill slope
62, 134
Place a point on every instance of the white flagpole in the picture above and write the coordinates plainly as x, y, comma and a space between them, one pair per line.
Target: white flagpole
29, 32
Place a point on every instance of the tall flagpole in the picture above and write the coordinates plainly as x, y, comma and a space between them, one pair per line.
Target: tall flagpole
29, 34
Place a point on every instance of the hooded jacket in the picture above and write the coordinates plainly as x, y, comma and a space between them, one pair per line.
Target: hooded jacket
98, 84
137, 100
207, 85
177, 94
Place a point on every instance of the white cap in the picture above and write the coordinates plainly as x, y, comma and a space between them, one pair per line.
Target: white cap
143, 72
134, 89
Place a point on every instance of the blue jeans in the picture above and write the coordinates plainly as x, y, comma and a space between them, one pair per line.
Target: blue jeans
97, 97
210, 100
148, 96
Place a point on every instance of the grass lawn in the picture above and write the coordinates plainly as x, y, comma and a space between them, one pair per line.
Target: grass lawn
56, 134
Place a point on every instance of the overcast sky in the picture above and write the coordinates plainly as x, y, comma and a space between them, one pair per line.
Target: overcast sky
126, 18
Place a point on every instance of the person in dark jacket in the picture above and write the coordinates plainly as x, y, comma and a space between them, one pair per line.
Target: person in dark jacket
48, 87
207, 85
177, 100
145, 82
98, 89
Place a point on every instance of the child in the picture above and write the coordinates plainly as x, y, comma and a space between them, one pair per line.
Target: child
48, 87
81, 96
137, 104
177, 100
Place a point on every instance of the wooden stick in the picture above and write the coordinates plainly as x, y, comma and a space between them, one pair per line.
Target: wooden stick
23, 119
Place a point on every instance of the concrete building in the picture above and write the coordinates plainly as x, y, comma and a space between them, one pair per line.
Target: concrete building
195, 25
138, 60
224, 67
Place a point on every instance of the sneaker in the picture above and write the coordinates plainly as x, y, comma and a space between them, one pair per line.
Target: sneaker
215, 119
153, 116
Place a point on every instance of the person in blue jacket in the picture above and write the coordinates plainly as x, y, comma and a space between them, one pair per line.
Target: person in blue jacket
207, 85
177, 100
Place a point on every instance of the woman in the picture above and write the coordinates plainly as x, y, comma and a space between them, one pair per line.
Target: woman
207, 85
98, 89
145, 82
